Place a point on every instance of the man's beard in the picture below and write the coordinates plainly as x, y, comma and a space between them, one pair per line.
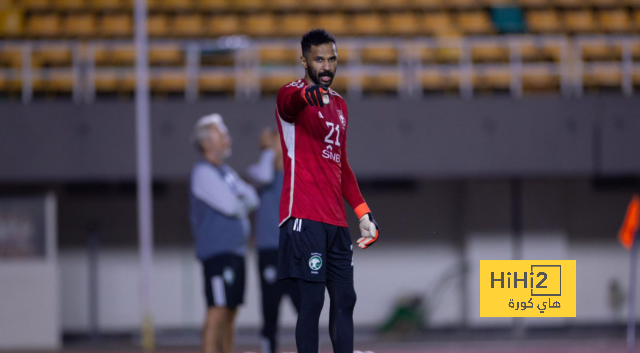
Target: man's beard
316, 77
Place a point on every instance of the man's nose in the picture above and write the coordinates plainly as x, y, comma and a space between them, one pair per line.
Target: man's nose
326, 66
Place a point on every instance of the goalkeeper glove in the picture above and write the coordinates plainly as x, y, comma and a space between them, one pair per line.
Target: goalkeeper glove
315, 95
368, 230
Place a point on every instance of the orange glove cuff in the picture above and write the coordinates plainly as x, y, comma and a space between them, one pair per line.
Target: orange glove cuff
362, 210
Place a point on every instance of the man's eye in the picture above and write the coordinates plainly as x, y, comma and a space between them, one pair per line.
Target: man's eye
333, 59
318, 60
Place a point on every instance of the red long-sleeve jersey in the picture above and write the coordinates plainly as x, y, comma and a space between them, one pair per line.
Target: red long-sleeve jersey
317, 173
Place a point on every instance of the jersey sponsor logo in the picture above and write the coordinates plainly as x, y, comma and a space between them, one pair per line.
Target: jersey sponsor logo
329, 154
297, 84
342, 119
315, 263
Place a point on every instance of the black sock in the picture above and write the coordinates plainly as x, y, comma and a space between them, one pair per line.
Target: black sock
311, 302
343, 300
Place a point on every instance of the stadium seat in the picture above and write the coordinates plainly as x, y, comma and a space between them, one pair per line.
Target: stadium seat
249, 5
11, 23
272, 83
345, 54
612, 4
11, 56
222, 25
216, 82
52, 55
123, 55
37, 5
427, 4
448, 50
614, 21
436, 23
214, 5
535, 3
490, 52
294, 25
380, 82
580, 21
259, 25
539, 79
157, 25
491, 78
45, 26
632, 3
173, 81
551, 51
440, 79
636, 19
393, 5
598, 49
153, 5
403, 24
475, 22
190, 25
285, 5
166, 54
340, 84
178, 5
110, 5
602, 76
120, 25
463, 4
337, 22
379, 54
368, 24
544, 21
115, 81
320, 5
80, 26
356, 4
10, 84
70, 5
569, 3
279, 54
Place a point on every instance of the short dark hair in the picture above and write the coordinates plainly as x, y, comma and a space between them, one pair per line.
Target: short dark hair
315, 37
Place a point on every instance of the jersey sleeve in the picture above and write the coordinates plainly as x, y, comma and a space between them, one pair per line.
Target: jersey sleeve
290, 101
350, 189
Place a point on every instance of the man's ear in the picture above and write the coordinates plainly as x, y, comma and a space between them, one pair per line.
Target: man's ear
303, 61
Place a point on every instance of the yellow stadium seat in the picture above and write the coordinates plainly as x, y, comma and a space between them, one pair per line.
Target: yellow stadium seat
30, 5
285, 5
393, 5
492, 78
379, 54
115, 81
636, 19
463, 4
607, 3
166, 54
368, 24
214, 5
490, 3
436, 23
11, 23
569, 3
544, 21
272, 83
168, 81
605, 76
536, 3
249, 5
10, 84
614, 21
539, 79
153, 5
490, 52
279, 54
70, 5
294, 25
336, 22
123, 55
158, 25
448, 50
356, 4
320, 5
216, 82
46, 26
403, 24
345, 54
633, 3
52, 55
190, 25
580, 21
80, 26
223, 25
340, 84
178, 5
120, 25
476, 22
260, 25
440, 79
551, 51
427, 4
600, 49
11, 56
109, 5
380, 82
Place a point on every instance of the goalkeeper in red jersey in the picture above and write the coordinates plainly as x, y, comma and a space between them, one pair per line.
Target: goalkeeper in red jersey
315, 247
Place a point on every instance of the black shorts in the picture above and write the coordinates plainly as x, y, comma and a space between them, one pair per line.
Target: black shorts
315, 252
224, 280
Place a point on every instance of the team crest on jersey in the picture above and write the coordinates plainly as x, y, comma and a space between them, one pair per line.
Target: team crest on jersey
315, 262
342, 119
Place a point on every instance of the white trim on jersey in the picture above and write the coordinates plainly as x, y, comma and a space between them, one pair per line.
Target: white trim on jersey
219, 294
289, 135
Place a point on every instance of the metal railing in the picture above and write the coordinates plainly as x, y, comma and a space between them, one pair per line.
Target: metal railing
411, 66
